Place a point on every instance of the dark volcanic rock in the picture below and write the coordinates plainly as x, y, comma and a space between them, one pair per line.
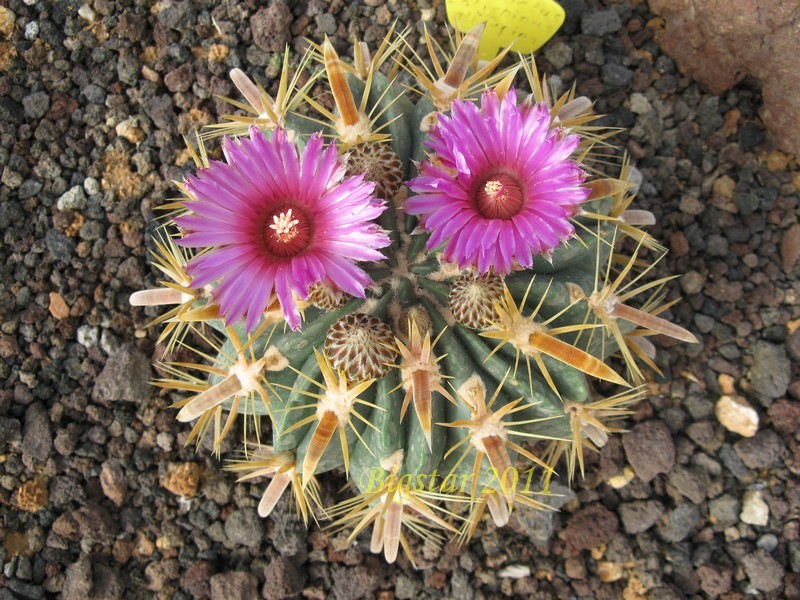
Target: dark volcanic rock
270, 27
283, 579
649, 449
771, 372
761, 451
357, 582
590, 527
37, 440
126, 376
245, 527
237, 584
641, 515
679, 522
86, 580
764, 572
714, 581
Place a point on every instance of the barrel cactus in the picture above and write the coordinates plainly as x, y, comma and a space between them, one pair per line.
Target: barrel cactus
419, 287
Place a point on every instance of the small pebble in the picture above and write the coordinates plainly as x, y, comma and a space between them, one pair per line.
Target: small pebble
754, 510
72, 199
88, 336
600, 22
32, 31
736, 415
91, 186
768, 542
640, 104
7, 18
559, 54
86, 12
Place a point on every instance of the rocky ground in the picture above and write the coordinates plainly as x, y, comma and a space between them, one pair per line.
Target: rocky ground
100, 499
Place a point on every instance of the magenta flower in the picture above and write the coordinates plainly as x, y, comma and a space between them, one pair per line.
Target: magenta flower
275, 221
499, 186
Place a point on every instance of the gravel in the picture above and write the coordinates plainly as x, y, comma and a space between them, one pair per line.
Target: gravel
599, 23
649, 449
244, 527
770, 374
93, 104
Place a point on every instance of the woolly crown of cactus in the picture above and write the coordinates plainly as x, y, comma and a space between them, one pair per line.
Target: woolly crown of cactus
437, 342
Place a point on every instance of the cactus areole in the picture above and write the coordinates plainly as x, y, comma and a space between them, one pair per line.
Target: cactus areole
422, 302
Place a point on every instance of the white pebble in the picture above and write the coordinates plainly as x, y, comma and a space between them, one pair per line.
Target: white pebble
91, 186
31, 31
72, 199
737, 415
515, 571
165, 441
640, 104
86, 12
88, 336
754, 510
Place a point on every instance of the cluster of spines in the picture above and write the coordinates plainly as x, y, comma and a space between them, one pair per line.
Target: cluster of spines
388, 347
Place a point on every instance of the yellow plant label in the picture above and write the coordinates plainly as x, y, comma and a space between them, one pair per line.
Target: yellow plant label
528, 24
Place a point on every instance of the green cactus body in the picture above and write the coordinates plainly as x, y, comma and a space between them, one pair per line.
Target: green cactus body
441, 373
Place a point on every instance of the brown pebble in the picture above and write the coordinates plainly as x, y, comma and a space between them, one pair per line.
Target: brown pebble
790, 247
679, 244
58, 307
181, 479
32, 496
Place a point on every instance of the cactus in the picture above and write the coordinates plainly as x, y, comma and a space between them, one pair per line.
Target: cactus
418, 337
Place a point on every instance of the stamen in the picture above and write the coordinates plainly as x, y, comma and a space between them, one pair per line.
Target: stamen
499, 197
287, 231
284, 225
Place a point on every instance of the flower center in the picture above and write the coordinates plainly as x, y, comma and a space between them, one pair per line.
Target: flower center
287, 231
499, 197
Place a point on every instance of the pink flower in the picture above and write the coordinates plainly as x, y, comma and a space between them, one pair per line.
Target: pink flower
499, 186
275, 221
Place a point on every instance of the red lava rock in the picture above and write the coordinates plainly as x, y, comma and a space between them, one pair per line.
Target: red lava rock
785, 416
719, 42
271, 27
790, 247
649, 449
590, 527
282, 579
8, 346
792, 583
86, 580
179, 79
125, 377
612, 459
195, 579
238, 584
158, 574
363, 580
437, 580
762, 451
131, 26
764, 572
61, 105
640, 516
714, 581
96, 523
678, 243
37, 437
113, 482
